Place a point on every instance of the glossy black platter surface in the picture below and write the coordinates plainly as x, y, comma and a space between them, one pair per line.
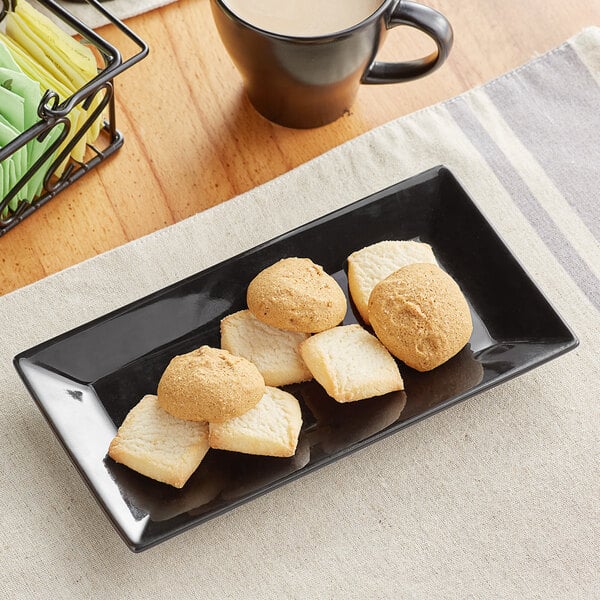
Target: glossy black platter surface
86, 380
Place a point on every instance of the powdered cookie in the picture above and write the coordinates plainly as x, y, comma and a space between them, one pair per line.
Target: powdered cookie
420, 315
271, 428
295, 294
159, 445
372, 264
351, 364
273, 351
209, 384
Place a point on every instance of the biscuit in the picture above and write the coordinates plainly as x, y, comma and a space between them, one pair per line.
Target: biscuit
295, 294
209, 384
420, 315
372, 264
351, 364
159, 445
273, 351
271, 428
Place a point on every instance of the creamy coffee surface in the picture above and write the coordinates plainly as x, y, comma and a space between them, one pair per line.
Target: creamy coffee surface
303, 18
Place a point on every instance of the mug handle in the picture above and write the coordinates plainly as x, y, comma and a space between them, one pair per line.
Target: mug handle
427, 20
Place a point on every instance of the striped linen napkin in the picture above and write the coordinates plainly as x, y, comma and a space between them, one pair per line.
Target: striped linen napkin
496, 498
122, 9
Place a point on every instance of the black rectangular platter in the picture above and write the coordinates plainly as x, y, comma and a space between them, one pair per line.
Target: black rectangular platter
85, 381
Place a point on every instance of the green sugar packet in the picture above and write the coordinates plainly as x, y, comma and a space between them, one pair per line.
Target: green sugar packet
4, 185
12, 107
17, 161
8, 171
4, 173
7, 61
12, 177
9, 108
30, 91
12, 114
6, 58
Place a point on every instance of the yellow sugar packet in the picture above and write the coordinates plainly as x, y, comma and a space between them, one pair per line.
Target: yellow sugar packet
77, 116
68, 60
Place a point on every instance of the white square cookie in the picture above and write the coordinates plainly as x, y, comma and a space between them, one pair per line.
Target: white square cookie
271, 428
351, 364
159, 445
273, 351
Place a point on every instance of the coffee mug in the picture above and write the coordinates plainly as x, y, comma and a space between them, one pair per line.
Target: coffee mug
303, 61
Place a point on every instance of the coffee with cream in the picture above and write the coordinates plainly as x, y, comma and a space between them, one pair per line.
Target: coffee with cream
303, 18
303, 61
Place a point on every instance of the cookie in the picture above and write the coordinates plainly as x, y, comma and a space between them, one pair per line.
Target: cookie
209, 384
271, 428
295, 294
351, 364
372, 264
159, 445
420, 315
273, 351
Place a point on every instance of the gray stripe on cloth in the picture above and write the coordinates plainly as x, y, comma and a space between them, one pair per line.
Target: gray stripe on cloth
559, 126
518, 190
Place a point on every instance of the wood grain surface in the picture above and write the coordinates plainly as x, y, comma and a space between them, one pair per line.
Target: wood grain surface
192, 140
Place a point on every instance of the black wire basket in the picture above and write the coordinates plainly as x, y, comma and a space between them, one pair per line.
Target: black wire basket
55, 166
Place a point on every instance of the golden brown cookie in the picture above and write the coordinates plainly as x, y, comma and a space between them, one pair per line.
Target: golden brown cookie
295, 294
209, 384
372, 264
420, 315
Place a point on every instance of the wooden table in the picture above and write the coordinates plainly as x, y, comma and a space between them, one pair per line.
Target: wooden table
192, 140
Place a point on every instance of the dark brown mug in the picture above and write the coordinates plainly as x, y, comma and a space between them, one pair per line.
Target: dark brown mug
303, 82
